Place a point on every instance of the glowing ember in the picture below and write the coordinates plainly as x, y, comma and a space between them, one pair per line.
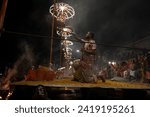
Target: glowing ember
109, 63
9, 94
77, 51
114, 63
62, 11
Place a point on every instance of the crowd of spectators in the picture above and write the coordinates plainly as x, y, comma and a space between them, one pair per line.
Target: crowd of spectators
134, 69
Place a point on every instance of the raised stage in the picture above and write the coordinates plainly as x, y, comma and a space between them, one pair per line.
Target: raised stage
73, 84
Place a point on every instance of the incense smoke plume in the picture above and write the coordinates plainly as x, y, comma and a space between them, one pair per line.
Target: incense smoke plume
20, 67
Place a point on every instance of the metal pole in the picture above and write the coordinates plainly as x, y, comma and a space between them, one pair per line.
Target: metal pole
60, 55
2, 13
52, 35
62, 26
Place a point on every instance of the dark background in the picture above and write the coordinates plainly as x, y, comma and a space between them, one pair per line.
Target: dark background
116, 22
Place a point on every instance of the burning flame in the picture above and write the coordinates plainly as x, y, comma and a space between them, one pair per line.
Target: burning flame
65, 32
62, 11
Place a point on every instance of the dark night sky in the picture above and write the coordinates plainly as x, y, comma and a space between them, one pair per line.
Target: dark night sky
113, 21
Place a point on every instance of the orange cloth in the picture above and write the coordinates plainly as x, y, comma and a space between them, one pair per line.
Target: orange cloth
41, 74
31, 76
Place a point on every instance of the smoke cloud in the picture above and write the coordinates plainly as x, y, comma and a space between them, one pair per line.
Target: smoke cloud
112, 21
20, 67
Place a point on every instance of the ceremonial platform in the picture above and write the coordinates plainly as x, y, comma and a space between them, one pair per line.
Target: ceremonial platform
73, 84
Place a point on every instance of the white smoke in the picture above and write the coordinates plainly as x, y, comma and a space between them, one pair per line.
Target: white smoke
27, 55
